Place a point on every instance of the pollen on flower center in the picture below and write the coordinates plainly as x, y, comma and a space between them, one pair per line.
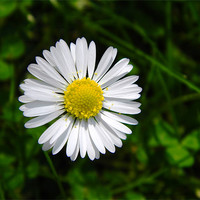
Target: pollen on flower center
83, 98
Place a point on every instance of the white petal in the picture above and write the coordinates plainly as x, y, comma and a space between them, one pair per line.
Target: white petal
73, 51
47, 55
91, 59
36, 71
48, 69
117, 125
73, 139
121, 118
105, 138
97, 153
65, 123
123, 83
122, 73
60, 63
61, 141
107, 129
50, 131
104, 64
35, 84
85, 51
81, 57
119, 134
39, 121
46, 146
115, 70
42, 110
25, 99
95, 136
90, 146
130, 94
66, 53
128, 107
23, 108
30, 87
123, 91
39, 104
75, 154
82, 138
114, 53
45, 96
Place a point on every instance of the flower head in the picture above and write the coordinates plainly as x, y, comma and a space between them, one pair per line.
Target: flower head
87, 103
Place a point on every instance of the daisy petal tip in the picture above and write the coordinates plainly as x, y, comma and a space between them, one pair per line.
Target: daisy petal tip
27, 125
19, 98
55, 151
91, 157
139, 111
136, 77
21, 108
103, 151
82, 155
52, 48
127, 60
112, 151
92, 43
73, 158
37, 59
40, 140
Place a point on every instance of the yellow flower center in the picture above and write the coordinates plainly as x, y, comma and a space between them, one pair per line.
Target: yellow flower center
83, 98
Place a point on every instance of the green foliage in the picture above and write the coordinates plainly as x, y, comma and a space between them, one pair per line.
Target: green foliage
192, 140
85, 186
179, 156
6, 70
11, 47
6, 160
161, 159
7, 7
134, 195
165, 134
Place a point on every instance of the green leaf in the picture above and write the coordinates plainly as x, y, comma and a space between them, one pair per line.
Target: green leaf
165, 134
85, 186
11, 113
192, 140
33, 169
134, 196
7, 7
25, 3
6, 159
6, 70
12, 47
142, 155
179, 156
15, 181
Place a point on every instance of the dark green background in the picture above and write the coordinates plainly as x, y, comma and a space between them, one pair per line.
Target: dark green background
161, 159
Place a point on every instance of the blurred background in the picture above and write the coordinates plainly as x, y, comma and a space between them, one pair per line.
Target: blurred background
161, 159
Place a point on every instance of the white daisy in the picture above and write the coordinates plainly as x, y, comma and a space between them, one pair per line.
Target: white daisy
87, 102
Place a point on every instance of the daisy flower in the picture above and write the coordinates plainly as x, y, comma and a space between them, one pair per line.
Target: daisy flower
87, 103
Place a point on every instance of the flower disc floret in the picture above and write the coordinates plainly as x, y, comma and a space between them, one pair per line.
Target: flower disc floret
83, 98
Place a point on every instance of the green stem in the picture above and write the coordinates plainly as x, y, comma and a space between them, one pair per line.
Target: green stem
2, 197
55, 174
